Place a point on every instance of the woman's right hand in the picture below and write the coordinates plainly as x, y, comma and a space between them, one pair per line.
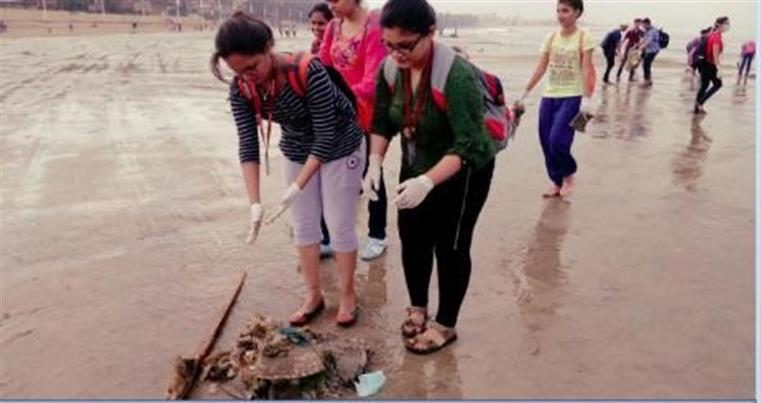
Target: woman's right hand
371, 183
255, 222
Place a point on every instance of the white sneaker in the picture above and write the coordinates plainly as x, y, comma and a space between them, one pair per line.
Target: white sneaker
373, 249
326, 251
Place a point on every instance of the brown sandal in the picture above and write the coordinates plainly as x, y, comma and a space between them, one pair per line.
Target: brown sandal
433, 339
415, 322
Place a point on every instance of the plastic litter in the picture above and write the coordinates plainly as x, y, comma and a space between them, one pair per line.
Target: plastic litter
370, 383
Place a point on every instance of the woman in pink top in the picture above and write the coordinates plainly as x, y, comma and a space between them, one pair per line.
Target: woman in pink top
352, 45
747, 55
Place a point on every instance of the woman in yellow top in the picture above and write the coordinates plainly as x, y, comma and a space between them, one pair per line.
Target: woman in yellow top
567, 54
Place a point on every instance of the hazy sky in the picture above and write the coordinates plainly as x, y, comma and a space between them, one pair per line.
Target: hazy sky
678, 14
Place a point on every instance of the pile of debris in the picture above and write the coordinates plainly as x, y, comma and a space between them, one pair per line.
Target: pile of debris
272, 361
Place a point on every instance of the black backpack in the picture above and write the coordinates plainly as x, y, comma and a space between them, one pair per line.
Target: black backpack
663, 38
700, 52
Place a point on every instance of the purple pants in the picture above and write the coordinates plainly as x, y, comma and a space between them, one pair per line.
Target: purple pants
556, 136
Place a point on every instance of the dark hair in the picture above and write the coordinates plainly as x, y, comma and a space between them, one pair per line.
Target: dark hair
706, 31
242, 33
577, 5
722, 21
323, 9
410, 15
646, 20
638, 20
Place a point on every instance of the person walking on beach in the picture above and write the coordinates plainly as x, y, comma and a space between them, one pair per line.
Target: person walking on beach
319, 17
567, 54
323, 145
651, 45
630, 44
710, 65
611, 47
446, 169
747, 54
692, 50
352, 45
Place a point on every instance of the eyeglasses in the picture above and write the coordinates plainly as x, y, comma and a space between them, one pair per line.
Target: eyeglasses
403, 48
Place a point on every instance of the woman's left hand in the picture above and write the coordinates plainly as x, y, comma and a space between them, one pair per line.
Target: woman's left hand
290, 195
412, 192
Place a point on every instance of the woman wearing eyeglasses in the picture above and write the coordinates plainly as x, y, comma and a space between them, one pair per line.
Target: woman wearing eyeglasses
446, 170
352, 45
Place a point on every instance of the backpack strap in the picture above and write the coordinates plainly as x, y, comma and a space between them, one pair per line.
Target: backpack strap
443, 59
390, 70
298, 71
248, 91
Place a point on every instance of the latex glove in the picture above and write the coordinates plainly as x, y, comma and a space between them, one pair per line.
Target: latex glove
412, 192
587, 106
290, 195
256, 222
522, 100
371, 183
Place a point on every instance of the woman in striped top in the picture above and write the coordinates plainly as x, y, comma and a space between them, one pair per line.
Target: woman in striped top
323, 146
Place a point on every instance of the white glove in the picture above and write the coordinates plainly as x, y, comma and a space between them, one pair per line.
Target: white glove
412, 192
522, 100
371, 183
256, 222
290, 195
589, 106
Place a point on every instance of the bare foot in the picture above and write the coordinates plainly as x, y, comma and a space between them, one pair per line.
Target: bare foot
568, 185
552, 191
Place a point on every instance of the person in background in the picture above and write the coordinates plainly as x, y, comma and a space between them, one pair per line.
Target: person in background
651, 46
319, 17
611, 47
692, 48
353, 46
568, 92
631, 42
710, 65
747, 54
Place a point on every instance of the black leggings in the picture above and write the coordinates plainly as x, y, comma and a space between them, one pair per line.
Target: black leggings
610, 57
623, 64
443, 225
647, 64
708, 76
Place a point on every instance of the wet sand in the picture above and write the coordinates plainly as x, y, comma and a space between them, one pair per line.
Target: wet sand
124, 219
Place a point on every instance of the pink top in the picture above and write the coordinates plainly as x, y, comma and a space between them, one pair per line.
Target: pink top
357, 59
749, 48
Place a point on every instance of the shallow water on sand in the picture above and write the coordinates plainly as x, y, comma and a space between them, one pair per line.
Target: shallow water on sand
124, 216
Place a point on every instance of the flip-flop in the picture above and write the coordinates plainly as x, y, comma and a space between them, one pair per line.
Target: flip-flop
351, 322
430, 347
409, 327
307, 317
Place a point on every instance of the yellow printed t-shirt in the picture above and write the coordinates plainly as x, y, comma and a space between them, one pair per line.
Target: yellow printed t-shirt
565, 63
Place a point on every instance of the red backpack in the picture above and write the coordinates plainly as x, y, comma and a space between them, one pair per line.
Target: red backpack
499, 121
296, 71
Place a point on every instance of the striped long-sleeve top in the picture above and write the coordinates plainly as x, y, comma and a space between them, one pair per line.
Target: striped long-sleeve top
322, 124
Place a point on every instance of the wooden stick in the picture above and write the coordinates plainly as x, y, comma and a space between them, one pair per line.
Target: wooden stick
187, 370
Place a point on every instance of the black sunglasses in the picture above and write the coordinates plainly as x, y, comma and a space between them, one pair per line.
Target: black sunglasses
402, 48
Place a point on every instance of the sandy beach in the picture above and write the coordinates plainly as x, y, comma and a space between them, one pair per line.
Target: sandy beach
124, 218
